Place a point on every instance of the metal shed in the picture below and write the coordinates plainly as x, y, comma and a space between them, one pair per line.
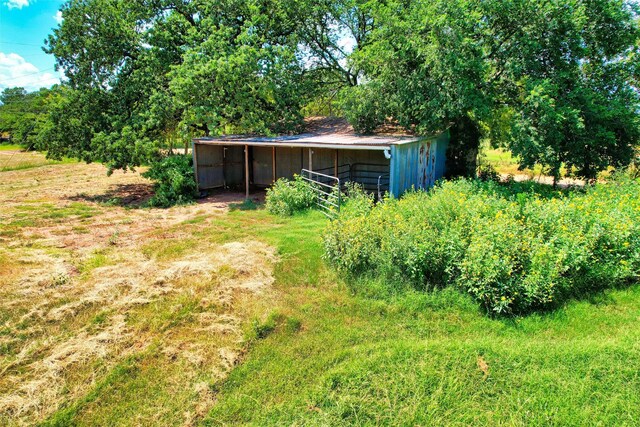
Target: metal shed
380, 163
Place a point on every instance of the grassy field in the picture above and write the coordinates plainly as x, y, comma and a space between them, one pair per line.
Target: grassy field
504, 162
212, 314
12, 157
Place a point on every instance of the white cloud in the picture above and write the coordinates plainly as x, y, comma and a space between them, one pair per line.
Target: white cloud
58, 17
17, 4
16, 72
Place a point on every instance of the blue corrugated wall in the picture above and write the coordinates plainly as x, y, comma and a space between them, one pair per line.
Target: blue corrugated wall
418, 164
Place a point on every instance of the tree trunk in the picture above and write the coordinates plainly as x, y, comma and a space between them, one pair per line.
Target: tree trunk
464, 144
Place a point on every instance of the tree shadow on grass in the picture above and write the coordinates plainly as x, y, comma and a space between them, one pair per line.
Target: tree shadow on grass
247, 205
124, 195
590, 300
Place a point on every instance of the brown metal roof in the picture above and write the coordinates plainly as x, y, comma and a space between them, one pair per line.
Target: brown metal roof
322, 132
311, 141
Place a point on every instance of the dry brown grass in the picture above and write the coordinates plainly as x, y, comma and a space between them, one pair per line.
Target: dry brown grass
15, 158
86, 283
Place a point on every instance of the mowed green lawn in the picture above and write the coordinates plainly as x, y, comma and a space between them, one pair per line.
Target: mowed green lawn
335, 358
326, 356
13, 158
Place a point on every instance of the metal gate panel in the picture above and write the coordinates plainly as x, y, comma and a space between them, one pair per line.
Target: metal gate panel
327, 189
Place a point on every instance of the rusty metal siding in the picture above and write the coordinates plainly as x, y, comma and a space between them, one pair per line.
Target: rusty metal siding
418, 164
426, 164
233, 166
362, 156
262, 165
441, 154
323, 158
289, 161
209, 161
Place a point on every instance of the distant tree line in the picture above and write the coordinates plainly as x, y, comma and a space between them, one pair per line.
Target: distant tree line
24, 116
554, 81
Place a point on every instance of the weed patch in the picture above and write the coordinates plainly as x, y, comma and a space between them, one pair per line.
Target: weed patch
515, 248
286, 197
175, 183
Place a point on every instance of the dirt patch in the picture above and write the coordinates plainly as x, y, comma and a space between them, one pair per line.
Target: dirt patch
127, 195
55, 218
543, 179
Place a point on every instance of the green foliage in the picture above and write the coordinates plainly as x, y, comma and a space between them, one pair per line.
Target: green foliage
161, 70
487, 172
116, 56
463, 149
286, 197
363, 107
24, 116
634, 168
174, 181
245, 76
546, 79
354, 196
514, 248
413, 356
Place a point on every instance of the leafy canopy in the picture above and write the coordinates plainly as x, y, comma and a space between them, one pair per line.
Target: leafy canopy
24, 115
553, 81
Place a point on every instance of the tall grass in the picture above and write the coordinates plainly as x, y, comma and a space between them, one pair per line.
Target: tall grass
286, 197
515, 248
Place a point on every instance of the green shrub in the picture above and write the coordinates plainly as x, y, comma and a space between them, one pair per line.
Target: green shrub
175, 182
515, 248
363, 107
286, 197
488, 173
634, 168
355, 200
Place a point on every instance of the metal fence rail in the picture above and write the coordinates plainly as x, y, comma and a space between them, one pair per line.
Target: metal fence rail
374, 178
383, 185
368, 175
327, 189
343, 172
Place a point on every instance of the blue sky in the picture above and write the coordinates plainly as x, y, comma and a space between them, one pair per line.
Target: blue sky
24, 24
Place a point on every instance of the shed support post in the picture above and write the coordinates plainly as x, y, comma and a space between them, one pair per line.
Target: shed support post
273, 162
194, 154
335, 163
246, 171
392, 173
310, 159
